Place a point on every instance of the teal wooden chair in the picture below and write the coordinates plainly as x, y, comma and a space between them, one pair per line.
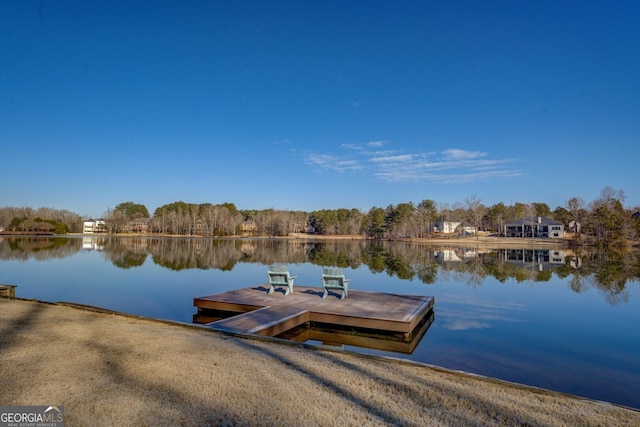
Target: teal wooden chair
333, 278
279, 277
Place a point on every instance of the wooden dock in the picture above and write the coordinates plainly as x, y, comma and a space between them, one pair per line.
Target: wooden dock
369, 319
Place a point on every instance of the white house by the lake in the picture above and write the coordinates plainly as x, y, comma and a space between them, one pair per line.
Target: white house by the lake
450, 227
92, 226
446, 227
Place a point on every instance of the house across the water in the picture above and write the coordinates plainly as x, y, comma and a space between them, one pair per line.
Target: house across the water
92, 226
538, 227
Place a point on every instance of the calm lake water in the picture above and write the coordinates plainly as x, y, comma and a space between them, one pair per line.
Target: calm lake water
564, 320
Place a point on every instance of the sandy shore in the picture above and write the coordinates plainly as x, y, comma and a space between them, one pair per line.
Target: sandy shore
471, 241
110, 369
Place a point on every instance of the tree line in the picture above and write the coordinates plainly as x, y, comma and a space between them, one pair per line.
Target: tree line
39, 221
605, 220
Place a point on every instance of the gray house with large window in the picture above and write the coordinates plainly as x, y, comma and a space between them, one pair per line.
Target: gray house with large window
537, 226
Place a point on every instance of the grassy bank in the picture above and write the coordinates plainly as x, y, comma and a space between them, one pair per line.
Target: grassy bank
108, 369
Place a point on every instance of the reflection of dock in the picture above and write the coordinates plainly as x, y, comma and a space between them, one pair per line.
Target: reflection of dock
8, 291
333, 335
366, 319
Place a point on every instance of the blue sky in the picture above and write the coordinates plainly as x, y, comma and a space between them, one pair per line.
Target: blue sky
305, 105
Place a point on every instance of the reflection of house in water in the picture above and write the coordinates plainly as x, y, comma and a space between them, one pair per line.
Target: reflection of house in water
575, 261
247, 247
100, 243
539, 259
454, 255
93, 243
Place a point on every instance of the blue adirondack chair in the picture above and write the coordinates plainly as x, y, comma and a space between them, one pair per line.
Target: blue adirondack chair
333, 278
279, 277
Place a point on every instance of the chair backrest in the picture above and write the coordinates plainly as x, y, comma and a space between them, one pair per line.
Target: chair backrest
333, 277
277, 268
332, 272
278, 274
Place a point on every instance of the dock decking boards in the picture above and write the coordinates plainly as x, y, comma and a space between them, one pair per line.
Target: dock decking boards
271, 315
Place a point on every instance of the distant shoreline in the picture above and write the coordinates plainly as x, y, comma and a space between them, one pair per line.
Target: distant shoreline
484, 241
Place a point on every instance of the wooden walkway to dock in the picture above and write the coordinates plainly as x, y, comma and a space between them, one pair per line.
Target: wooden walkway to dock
270, 315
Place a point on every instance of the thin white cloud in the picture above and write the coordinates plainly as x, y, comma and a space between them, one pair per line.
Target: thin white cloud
376, 143
393, 159
475, 301
361, 147
468, 312
331, 162
456, 154
448, 166
465, 324
379, 153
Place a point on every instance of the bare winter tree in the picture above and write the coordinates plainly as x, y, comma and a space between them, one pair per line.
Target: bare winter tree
475, 211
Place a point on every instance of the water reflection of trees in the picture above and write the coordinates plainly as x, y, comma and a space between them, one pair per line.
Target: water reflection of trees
125, 253
609, 271
179, 254
38, 248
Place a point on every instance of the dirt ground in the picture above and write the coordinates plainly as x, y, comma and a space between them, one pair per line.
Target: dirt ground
109, 369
